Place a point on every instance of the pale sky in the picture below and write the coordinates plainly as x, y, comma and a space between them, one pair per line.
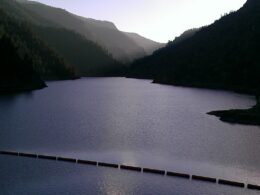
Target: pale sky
159, 20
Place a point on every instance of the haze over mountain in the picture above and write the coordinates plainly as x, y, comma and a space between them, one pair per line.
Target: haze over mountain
222, 55
157, 20
60, 44
87, 58
148, 45
104, 33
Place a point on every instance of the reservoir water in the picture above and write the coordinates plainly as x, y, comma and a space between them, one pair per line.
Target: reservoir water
125, 121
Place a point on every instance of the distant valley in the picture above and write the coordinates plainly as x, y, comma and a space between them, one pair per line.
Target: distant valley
61, 45
56, 45
120, 45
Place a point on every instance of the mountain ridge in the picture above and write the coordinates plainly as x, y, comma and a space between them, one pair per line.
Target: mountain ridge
148, 45
222, 55
86, 57
104, 33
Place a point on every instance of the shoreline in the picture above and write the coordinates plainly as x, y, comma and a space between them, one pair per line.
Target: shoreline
250, 116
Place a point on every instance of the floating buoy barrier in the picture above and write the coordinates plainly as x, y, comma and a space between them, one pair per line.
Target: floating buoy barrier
156, 171
67, 159
202, 178
87, 162
9, 153
134, 168
111, 165
231, 183
253, 187
181, 175
131, 168
47, 157
28, 155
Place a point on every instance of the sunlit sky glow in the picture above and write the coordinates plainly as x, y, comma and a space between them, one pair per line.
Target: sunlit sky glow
159, 20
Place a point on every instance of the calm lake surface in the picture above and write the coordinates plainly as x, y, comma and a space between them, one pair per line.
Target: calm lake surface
125, 121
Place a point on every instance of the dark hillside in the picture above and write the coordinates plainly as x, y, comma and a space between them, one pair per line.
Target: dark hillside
224, 55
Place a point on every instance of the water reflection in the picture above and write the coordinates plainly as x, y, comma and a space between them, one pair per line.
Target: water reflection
133, 122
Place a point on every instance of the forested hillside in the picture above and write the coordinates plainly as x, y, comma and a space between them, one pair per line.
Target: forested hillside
223, 55
16, 73
104, 33
48, 64
86, 57
25, 59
